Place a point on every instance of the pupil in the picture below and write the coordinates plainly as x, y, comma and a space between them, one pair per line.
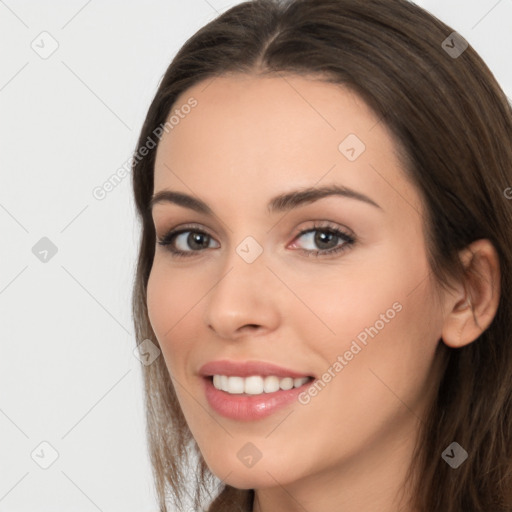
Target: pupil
323, 237
197, 240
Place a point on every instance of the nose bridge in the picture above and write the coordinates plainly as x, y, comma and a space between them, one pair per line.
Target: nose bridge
242, 295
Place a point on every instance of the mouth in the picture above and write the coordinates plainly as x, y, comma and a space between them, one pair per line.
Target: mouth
251, 390
255, 385
252, 398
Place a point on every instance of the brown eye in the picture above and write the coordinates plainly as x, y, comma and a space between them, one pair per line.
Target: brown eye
324, 241
186, 242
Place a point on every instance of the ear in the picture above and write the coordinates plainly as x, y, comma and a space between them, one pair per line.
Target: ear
473, 307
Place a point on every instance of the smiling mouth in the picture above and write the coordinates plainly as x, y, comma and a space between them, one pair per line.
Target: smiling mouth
256, 384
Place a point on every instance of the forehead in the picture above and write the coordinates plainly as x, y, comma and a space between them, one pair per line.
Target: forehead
259, 134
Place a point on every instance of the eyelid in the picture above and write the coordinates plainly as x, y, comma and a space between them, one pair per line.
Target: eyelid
325, 225
197, 225
192, 226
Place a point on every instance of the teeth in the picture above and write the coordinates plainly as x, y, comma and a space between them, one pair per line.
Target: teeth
256, 385
271, 384
236, 384
253, 385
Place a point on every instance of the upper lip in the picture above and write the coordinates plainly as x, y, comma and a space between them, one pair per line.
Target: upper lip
247, 368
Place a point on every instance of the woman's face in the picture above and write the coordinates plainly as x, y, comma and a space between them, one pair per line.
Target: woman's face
334, 287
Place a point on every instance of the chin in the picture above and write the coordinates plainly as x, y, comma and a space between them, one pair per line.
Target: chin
235, 473
249, 479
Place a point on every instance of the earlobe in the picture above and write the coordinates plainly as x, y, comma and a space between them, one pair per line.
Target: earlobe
471, 311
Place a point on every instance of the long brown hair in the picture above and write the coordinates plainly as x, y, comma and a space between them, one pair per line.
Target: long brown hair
454, 125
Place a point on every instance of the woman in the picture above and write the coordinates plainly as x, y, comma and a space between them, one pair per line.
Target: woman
325, 263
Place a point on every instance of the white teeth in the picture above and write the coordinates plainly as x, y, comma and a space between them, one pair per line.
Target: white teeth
271, 384
236, 384
286, 383
256, 385
297, 383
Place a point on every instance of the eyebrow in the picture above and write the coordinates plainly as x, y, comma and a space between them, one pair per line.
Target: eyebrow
280, 203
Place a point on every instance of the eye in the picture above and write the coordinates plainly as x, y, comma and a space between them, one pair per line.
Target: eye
186, 241
328, 240
190, 241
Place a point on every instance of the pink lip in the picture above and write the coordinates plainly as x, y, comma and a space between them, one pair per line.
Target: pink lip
249, 407
247, 368
244, 407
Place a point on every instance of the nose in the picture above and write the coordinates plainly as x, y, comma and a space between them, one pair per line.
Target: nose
243, 300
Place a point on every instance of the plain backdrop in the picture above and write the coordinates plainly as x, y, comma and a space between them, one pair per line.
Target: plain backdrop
76, 79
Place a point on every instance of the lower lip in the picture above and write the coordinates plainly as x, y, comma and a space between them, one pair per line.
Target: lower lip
247, 407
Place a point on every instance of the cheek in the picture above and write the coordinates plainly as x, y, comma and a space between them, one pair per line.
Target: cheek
159, 301
175, 301
387, 342
170, 300
381, 316
352, 303
171, 294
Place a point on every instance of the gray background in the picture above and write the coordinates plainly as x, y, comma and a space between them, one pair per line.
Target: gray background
69, 120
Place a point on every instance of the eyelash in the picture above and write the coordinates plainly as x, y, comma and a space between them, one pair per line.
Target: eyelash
348, 239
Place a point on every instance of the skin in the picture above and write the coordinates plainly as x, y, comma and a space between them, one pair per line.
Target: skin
249, 139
